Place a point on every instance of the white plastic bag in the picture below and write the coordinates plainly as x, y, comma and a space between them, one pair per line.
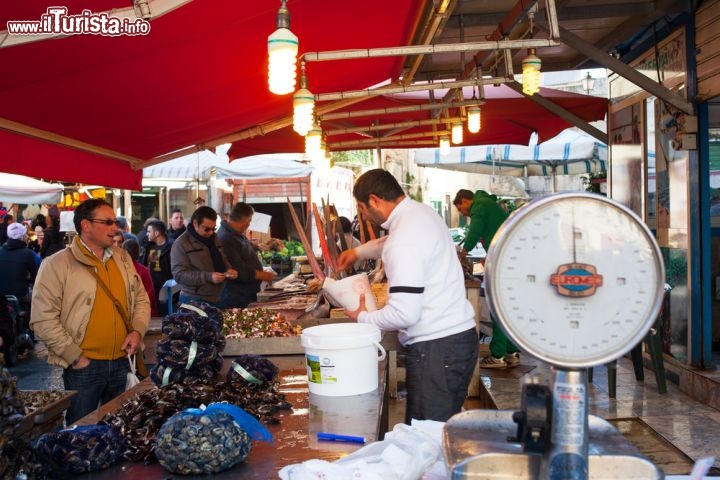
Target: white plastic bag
132, 378
406, 453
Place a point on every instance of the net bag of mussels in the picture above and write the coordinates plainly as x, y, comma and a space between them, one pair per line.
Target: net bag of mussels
209, 440
190, 346
84, 448
249, 369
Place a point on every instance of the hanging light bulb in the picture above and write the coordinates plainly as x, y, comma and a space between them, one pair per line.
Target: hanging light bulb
457, 132
531, 66
303, 106
322, 152
473, 119
282, 55
444, 145
312, 142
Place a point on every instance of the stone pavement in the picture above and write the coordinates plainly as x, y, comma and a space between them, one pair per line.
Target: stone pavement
33, 372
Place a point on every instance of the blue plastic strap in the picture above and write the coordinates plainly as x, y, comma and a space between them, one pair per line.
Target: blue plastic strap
244, 420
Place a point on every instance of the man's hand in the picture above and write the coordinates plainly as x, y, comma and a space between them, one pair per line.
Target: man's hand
132, 342
264, 276
346, 259
353, 315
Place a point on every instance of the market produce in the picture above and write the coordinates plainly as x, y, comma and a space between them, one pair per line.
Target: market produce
197, 441
12, 408
35, 400
191, 344
257, 322
253, 369
83, 449
140, 418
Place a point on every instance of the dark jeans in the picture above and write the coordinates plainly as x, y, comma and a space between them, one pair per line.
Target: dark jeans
96, 384
437, 375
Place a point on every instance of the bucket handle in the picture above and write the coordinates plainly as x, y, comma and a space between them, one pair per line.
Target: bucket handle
382, 352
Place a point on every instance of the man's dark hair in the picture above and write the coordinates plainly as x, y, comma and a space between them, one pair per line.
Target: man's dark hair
176, 210
462, 194
377, 182
345, 224
201, 213
241, 211
159, 226
132, 247
39, 220
86, 211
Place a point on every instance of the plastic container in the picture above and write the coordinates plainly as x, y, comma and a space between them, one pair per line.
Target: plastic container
346, 292
342, 358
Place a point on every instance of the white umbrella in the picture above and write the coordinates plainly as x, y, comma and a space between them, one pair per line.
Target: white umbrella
570, 152
27, 190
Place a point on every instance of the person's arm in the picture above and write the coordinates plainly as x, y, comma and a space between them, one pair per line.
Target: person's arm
475, 230
404, 303
240, 255
45, 314
183, 270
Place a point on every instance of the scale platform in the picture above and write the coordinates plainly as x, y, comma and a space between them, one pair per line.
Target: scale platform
476, 447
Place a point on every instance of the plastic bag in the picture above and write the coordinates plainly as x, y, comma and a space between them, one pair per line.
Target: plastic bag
83, 449
210, 440
132, 378
405, 454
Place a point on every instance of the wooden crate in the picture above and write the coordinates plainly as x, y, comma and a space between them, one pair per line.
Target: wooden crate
45, 419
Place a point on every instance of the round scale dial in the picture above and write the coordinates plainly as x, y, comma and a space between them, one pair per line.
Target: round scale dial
575, 279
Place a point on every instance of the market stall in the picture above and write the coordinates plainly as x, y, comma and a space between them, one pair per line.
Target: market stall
294, 438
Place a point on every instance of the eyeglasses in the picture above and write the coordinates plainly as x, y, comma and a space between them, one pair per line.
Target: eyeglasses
105, 221
207, 229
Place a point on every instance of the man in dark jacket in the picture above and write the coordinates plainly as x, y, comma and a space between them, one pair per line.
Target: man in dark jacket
199, 265
156, 258
486, 216
243, 256
19, 263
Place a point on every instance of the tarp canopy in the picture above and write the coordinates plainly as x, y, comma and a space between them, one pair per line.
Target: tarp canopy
201, 164
570, 152
507, 117
25, 190
199, 75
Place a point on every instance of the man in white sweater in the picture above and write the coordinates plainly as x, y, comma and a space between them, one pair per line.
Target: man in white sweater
426, 303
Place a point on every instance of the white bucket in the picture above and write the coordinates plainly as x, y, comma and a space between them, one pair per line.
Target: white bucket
346, 292
342, 358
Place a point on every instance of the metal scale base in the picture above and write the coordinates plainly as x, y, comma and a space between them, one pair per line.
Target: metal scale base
476, 447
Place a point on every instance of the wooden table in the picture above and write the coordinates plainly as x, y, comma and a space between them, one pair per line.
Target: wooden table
295, 439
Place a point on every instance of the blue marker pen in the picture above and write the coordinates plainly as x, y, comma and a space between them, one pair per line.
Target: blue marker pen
334, 437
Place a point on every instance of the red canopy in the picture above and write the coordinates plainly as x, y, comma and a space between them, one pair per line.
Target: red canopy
198, 76
507, 117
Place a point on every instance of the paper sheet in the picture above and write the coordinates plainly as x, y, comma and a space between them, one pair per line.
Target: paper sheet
260, 223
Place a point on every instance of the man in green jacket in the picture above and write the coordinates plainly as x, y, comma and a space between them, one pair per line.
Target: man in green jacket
486, 216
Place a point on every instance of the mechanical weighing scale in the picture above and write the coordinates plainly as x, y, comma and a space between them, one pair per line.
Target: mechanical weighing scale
575, 280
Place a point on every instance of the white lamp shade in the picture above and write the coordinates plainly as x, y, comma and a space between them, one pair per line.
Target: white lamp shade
282, 61
303, 109
531, 66
444, 145
457, 133
313, 142
473, 119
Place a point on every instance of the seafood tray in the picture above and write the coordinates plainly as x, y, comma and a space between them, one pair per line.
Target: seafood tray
45, 411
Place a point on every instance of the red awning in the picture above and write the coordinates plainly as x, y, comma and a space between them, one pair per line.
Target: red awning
507, 117
198, 76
